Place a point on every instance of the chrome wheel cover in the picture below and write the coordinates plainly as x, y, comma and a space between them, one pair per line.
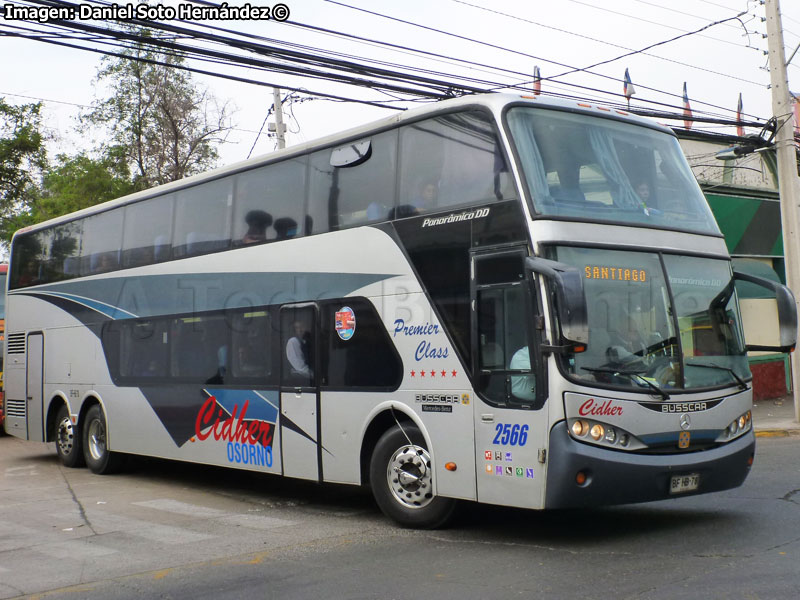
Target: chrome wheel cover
65, 437
97, 439
410, 476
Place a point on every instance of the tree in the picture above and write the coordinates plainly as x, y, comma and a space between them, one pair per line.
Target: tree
22, 159
80, 181
163, 123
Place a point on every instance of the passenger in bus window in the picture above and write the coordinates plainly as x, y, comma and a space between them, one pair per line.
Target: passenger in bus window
426, 196
643, 191
298, 350
286, 228
257, 223
523, 387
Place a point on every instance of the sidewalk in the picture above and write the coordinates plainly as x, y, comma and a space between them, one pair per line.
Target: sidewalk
773, 418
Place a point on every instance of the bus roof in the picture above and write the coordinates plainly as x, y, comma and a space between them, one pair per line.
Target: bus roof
493, 101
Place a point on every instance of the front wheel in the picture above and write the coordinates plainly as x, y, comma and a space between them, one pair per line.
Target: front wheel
68, 440
95, 449
401, 475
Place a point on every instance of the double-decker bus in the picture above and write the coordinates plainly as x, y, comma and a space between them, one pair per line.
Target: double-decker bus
497, 298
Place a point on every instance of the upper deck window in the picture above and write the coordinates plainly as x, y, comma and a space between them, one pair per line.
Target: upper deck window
451, 161
606, 170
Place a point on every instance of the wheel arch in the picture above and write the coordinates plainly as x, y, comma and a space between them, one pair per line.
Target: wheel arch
56, 402
383, 418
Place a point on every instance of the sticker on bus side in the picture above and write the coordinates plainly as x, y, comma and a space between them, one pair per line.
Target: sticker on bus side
345, 323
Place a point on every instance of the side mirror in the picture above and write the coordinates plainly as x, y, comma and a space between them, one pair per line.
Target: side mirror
570, 297
787, 312
351, 155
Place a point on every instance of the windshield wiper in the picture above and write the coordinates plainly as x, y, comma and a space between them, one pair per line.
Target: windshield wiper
631, 374
739, 380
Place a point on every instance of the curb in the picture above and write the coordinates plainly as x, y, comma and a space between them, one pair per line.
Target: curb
774, 433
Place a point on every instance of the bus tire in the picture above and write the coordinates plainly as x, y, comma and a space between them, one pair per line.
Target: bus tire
98, 457
68, 440
401, 476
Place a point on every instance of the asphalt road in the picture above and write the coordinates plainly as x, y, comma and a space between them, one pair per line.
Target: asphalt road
181, 531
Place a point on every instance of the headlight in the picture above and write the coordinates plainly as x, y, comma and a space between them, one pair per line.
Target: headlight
740, 425
580, 428
588, 430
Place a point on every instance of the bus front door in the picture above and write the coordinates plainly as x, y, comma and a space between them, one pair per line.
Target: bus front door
300, 403
511, 412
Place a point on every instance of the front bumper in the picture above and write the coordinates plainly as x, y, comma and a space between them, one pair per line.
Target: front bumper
615, 477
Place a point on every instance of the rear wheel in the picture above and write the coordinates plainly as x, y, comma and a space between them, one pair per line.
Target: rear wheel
95, 449
401, 475
68, 440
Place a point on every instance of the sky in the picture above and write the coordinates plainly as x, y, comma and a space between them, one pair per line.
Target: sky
716, 64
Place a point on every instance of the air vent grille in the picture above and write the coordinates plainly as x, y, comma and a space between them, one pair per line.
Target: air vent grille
16, 343
15, 408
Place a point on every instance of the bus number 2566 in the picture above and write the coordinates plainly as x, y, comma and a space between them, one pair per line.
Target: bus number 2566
511, 435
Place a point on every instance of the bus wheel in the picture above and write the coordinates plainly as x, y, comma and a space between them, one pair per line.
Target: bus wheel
401, 474
98, 458
68, 440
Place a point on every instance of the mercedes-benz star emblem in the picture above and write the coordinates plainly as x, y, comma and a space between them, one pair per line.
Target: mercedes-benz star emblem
686, 422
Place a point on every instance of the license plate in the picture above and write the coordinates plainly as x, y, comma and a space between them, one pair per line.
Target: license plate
684, 483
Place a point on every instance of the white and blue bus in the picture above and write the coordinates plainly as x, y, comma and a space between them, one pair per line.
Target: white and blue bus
498, 298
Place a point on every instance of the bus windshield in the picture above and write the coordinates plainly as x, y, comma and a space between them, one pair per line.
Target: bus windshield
658, 320
579, 166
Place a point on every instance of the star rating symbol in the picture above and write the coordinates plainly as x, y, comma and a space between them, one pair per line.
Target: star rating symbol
432, 373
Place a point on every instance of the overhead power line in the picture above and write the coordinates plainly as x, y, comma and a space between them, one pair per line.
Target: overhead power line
408, 83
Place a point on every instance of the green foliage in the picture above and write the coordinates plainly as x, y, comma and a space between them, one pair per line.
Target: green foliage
163, 123
22, 158
79, 182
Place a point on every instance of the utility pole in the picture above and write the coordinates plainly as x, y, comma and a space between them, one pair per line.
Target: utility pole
783, 111
280, 128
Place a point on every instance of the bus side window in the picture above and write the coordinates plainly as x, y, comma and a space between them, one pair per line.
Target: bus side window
267, 200
345, 193
251, 347
200, 349
101, 240
147, 234
452, 160
144, 348
203, 218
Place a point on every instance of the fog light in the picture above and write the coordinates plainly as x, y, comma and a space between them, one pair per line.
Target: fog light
580, 428
611, 435
597, 432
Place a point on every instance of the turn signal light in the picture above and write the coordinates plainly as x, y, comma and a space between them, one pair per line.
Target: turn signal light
451, 466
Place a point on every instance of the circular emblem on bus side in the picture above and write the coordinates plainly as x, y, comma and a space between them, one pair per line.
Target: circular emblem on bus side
345, 323
686, 422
